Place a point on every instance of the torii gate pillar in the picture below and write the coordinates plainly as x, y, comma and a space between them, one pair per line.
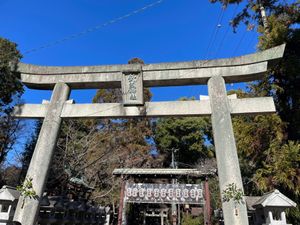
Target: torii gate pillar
226, 152
39, 166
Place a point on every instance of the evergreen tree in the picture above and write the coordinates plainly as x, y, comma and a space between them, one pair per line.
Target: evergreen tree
10, 86
10, 90
269, 145
187, 135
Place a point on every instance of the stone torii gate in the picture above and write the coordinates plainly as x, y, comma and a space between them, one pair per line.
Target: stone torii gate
132, 78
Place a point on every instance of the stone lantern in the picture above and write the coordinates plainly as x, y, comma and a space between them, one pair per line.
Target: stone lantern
270, 208
8, 201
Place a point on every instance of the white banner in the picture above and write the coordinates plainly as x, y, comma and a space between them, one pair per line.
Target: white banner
164, 193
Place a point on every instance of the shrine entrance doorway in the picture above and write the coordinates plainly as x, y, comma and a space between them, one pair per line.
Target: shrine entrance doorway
160, 197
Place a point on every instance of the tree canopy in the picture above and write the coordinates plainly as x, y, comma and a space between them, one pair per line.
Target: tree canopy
187, 135
268, 146
10, 86
10, 90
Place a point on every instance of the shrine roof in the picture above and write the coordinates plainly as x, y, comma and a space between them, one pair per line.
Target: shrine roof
162, 172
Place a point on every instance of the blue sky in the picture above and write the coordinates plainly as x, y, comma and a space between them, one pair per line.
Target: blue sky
173, 30
170, 31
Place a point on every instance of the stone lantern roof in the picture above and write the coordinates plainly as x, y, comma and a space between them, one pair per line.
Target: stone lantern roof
274, 199
9, 193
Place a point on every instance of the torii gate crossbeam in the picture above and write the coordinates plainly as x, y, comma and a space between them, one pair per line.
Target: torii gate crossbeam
132, 79
239, 69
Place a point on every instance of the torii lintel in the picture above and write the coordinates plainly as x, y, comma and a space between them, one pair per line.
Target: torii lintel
239, 69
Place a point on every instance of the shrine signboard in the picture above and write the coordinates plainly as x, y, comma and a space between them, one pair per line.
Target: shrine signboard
164, 193
132, 88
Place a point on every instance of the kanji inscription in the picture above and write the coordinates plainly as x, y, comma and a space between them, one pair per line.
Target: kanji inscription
132, 88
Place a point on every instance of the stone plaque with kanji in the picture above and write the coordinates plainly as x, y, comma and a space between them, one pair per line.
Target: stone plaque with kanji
132, 88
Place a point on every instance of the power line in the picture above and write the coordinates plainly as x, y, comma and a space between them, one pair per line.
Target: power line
211, 40
251, 39
95, 28
239, 43
219, 25
215, 32
227, 30
249, 27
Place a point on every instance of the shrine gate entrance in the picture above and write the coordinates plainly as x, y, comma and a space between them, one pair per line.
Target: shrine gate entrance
132, 78
163, 192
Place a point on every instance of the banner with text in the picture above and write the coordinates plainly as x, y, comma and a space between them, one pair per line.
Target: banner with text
164, 193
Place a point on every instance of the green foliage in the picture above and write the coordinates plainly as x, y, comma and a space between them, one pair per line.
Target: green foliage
268, 146
9, 83
283, 81
251, 11
282, 169
187, 134
10, 90
187, 219
214, 192
231, 192
26, 190
267, 159
254, 135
